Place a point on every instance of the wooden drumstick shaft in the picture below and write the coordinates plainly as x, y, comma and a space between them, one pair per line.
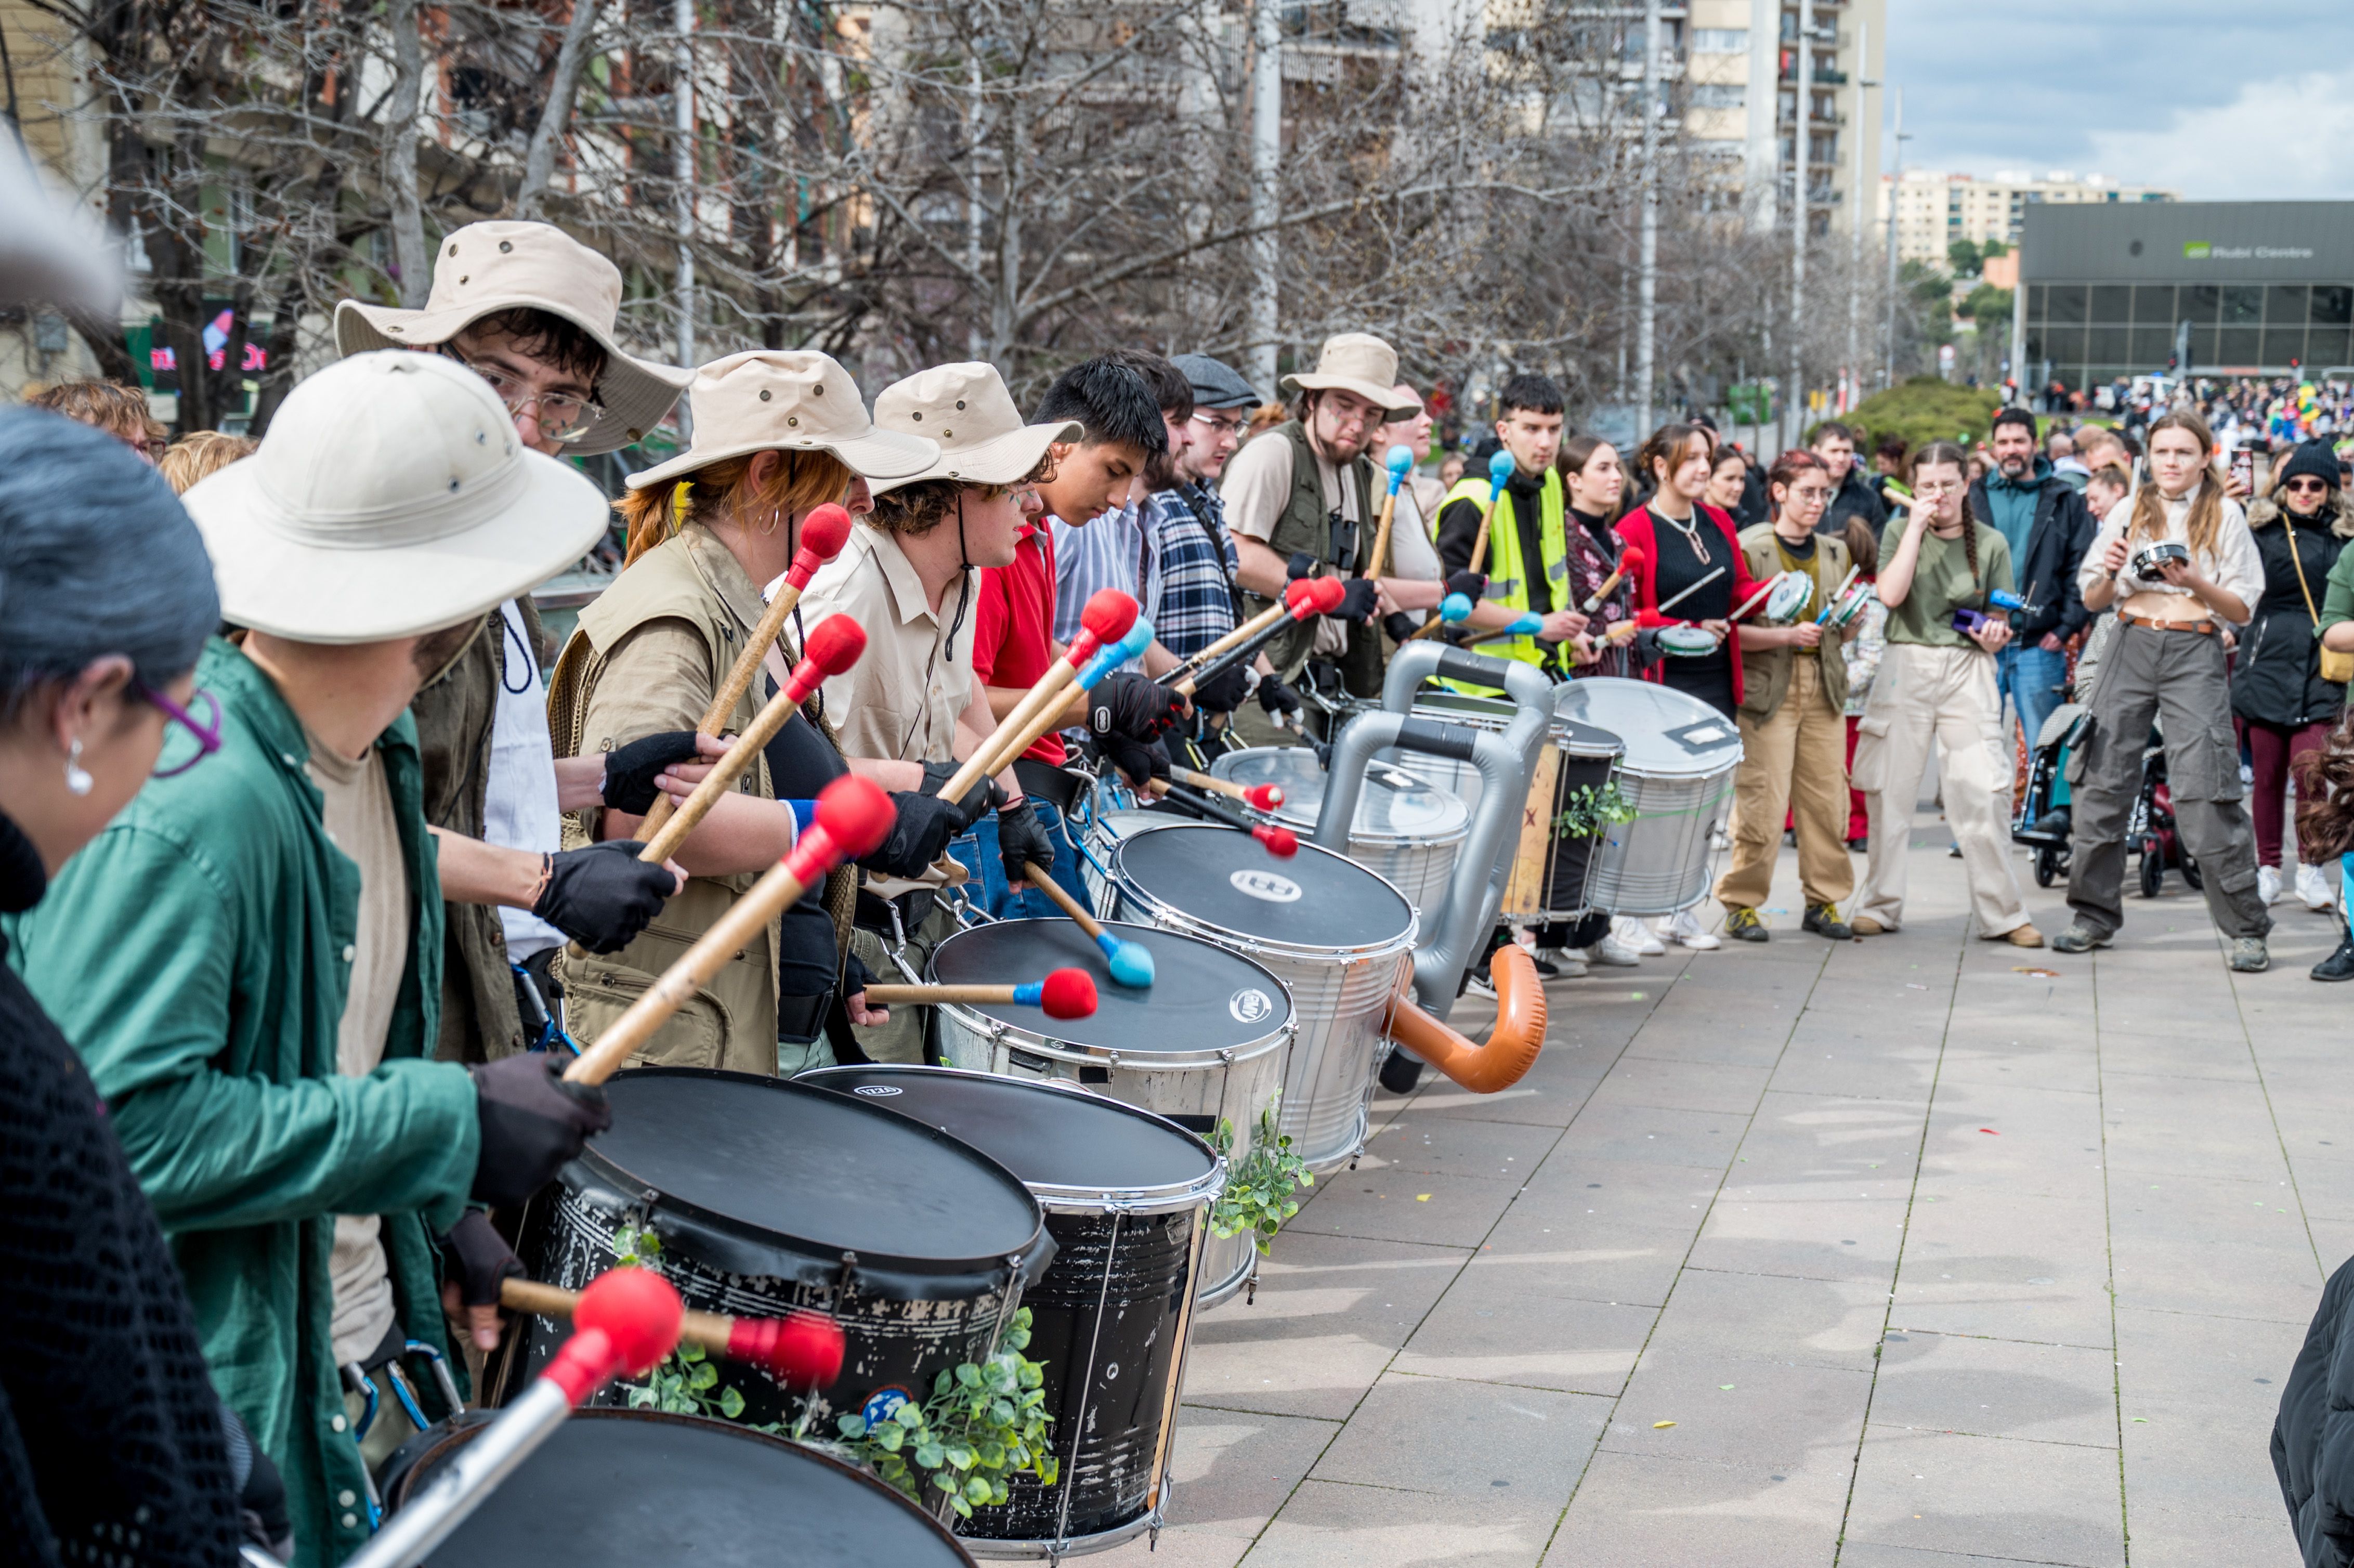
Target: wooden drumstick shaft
1381, 535
1214, 785
913, 995
723, 703
708, 1329
1069, 905
1030, 719
1235, 639
722, 778
1754, 600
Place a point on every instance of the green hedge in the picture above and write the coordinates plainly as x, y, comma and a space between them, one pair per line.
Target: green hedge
1923, 409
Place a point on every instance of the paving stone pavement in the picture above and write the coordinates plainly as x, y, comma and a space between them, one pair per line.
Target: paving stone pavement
1897, 1254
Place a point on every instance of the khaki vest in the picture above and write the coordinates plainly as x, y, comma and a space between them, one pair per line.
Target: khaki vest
1765, 672
1304, 526
731, 1022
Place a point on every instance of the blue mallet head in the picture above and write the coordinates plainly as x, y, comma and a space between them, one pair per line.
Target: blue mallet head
1132, 963
1455, 606
1501, 469
1527, 625
1115, 654
1400, 462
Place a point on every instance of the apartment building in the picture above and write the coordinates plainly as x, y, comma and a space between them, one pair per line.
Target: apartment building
1933, 208
1743, 73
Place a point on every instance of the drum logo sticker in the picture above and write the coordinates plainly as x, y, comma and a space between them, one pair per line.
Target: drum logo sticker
1266, 886
882, 1402
878, 1091
1250, 1004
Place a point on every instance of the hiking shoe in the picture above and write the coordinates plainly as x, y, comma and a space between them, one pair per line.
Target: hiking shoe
1823, 921
2020, 936
1865, 926
1743, 926
2249, 956
2339, 965
2078, 938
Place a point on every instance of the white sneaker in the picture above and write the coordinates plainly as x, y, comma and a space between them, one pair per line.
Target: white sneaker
1633, 934
2315, 885
2268, 883
1568, 960
1685, 929
1614, 953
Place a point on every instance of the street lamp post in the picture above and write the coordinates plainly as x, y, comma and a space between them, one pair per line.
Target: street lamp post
1802, 157
1648, 268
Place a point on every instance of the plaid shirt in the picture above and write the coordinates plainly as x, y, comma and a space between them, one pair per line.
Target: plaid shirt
1187, 529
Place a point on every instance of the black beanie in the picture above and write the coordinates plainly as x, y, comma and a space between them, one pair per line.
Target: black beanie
2311, 459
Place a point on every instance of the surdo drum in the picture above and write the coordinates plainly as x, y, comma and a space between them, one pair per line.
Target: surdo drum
1339, 937
1126, 1196
625, 1488
1206, 1044
1681, 755
1407, 833
765, 1195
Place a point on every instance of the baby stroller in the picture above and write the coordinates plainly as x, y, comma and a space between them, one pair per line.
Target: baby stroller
2042, 820
2150, 831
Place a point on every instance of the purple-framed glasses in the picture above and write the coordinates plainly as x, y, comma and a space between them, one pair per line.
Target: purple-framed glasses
203, 733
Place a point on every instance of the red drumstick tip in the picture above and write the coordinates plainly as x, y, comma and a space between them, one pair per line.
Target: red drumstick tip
1068, 993
855, 812
1629, 556
1281, 842
1264, 796
799, 1350
1327, 593
1108, 613
835, 643
637, 1310
825, 531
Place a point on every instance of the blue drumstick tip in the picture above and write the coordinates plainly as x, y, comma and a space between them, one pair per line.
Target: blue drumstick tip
1501, 469
1029, 995
1131, 964
1399, 460
1455, 606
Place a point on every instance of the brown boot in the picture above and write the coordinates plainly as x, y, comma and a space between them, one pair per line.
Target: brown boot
1865, 926
2022, 937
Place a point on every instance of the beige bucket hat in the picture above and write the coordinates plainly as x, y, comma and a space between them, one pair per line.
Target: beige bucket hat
392, 497
788, 399
486, 267
967, 409
1355, 362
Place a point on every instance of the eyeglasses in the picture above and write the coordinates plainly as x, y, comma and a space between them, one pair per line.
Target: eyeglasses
1939, 487
1218, 426
562, 415
2304, 485
194, 739
1815, 493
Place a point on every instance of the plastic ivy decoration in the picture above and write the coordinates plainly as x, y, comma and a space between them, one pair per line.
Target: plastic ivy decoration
1258, 1198
984, 1424
1587, 809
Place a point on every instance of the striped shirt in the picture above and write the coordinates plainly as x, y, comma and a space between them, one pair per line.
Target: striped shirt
1186, 529
1113, 552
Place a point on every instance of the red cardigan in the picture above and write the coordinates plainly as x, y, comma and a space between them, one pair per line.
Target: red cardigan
1635, 528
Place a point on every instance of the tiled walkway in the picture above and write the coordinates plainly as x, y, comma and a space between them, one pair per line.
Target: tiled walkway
1890, 1255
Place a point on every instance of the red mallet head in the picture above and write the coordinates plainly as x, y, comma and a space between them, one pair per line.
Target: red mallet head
1068, 993
1108, 613
1263, 797
1327, 593
1630, 558
1281, 842
637, 1312
855, 814
823, 534
799, 1350
835, 643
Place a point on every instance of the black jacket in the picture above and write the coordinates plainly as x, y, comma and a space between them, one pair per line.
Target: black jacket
2277, 679
2313, 1437
2046, 570
1854, 498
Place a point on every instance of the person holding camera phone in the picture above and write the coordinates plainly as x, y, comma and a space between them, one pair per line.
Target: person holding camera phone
2178, 561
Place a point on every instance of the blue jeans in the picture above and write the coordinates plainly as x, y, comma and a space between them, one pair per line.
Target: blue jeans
2030, 677
979, 852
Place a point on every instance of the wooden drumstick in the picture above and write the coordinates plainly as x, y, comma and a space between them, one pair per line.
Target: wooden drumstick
801, 1350
1063, 993
1628, 560
823, 534
853, 815
1501, 469
1239, 635
1399, 460
1257, 797
1131, 962
1009, 741
1302, 598
1754, 600
1280, 842
1108, 617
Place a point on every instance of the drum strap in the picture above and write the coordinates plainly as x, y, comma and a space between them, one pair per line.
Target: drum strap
1058, 787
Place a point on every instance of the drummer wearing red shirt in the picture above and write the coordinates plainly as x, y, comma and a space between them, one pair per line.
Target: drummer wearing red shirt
1014, 614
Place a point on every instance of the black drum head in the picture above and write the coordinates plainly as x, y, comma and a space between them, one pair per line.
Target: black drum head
1050, 1137
1202, 997
1227, 879
829, 1171
631, 1489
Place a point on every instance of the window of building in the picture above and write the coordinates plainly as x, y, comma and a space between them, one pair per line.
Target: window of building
1718, 95
1720, 40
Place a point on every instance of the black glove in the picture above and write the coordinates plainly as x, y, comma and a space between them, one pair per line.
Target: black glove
532, 1122
1125, 702
1472, 586
1139, 761
1301, 565
264, 1520
1021, 840
926, 824
978, 801
1225, 691
1357, 597
629, 770
1400, 626
475, 1258
1277, 698
855, 976
602, 896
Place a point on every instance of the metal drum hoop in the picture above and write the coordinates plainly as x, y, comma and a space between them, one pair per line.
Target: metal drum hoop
1171, 917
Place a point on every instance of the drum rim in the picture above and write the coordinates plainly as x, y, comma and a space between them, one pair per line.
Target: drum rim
1455, 833
613, 1173
1193, 925
1168, 1197
1496, 724
459, 1436
1691, 769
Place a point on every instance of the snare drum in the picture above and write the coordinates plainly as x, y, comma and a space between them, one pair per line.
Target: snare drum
1126, 1196
2150, 557
1337, 936
1686, 642
1678, 772
1407, 833
1205, 1044
1102, 831
767, 1194
1789, 596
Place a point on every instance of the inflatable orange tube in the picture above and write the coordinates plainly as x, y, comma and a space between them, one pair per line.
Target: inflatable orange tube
1512, 1045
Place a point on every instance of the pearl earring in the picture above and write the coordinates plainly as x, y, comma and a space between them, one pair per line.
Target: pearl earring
77, 779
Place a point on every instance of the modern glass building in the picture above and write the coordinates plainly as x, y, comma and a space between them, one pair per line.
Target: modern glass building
2206, 288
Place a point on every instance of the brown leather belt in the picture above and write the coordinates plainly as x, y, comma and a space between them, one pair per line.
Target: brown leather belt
2203, 628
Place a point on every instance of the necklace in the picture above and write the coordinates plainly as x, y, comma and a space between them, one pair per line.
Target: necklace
1690, 528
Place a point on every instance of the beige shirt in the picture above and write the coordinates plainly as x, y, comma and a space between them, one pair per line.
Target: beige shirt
360, 823
2232, 566
901, 701
1256, 487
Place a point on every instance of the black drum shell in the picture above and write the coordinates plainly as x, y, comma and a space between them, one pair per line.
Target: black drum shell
631, 1489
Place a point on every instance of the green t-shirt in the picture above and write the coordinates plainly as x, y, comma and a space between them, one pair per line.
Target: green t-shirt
1941, 585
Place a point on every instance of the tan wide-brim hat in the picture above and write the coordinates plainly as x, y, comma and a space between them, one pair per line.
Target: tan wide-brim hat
787, 400
1354, 362
967, 409
392, 497
486, 267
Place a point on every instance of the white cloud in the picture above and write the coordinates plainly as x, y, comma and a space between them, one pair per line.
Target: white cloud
2288, 138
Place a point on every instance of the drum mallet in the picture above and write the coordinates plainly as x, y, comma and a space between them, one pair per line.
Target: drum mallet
1257, 797
1765, 590
853, 815
801, 1350
1502, 466
1528, 623
624, 1324
823, 534
1823, 616
1453, 611
1281, 842
1000, 754
1629, 559
1131, 962
1063, 993
1302, 598
1108, 617
1687, 591
1399, 460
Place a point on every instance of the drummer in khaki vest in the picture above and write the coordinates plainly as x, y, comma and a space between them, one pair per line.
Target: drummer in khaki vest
777, 434
1793, 719
908, 576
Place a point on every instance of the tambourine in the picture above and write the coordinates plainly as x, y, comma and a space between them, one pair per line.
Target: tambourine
2150, 557
1687, 641
1850, 605
1789, 598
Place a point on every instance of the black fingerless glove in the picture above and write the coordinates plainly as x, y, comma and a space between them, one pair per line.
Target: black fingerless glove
1125, 702
1357, 600
1277, 698
1400, 626
979, 801
602, 896
532, 1122
1301, 565
1472, 586
924, 826
1141, 762
476, 1258
630, 771
1021, 840
1225, 691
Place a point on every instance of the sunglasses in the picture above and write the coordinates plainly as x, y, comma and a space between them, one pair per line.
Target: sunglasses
192, 739
2305, 484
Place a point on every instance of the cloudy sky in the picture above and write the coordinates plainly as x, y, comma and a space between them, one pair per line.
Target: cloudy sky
2218, 99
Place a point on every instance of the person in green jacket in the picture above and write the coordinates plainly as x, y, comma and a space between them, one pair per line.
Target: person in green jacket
248, 958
